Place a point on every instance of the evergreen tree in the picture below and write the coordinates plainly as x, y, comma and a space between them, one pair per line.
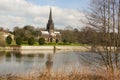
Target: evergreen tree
41, 41
18, 41
8, 40
31, 41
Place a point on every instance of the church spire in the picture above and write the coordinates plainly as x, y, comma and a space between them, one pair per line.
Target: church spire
50, 24
50, 16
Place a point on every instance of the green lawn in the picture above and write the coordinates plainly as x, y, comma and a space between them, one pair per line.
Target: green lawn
49, 44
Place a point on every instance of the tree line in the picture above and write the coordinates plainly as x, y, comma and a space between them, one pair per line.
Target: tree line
29, 35
83, 36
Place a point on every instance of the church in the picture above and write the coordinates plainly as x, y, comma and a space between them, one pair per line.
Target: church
50, 35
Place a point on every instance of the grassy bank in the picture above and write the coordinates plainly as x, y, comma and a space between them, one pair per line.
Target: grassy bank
61, 75
57, 76
52, 44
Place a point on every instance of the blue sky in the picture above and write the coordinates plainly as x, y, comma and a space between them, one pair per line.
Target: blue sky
73, 4
35, 12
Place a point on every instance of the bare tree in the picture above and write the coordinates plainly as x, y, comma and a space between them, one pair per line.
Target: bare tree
104, 17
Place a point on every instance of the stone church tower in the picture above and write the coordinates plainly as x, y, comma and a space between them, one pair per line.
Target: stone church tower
50, 35
50, 24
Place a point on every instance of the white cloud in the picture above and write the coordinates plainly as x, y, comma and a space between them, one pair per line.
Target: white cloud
20, 12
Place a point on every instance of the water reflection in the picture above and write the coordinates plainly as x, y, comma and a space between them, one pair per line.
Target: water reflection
1, 55
90, 59
41, 55
18, 57
8, 56
30, 55
23, 61
49, 62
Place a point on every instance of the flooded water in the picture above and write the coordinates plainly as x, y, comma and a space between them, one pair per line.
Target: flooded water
25, 61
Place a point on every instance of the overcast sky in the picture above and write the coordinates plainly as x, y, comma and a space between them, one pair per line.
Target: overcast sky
35, 12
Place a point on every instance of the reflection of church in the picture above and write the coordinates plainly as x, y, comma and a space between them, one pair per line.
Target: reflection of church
50, 35
49, 62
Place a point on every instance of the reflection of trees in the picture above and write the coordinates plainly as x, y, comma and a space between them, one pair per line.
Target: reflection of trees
90, 59
30, 55
28, 60
18, 56
1, 55
49, 62
94, 60
41, 55
8, 56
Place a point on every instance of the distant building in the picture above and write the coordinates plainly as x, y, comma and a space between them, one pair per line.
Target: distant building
6, 34
3, 36
50, 35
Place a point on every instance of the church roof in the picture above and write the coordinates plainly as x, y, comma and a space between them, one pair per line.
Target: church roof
56, 32
45, 32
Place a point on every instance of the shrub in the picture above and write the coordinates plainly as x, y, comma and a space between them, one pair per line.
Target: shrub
57, 40
25, 39
65, 41
41, 41
51, 40
8, 40
31, 41
18, 41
